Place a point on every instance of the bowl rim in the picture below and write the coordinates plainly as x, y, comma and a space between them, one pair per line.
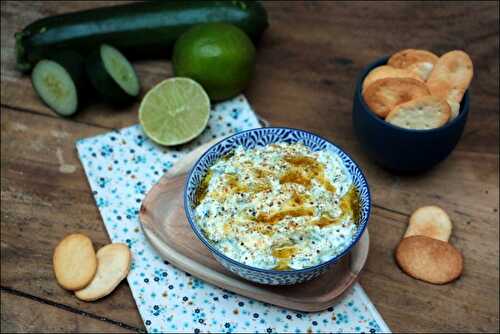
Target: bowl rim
363, 223
463, 111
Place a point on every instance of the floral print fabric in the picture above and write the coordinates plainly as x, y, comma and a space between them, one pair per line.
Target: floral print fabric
121, 166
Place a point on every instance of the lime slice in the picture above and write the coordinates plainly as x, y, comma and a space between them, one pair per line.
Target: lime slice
175, 111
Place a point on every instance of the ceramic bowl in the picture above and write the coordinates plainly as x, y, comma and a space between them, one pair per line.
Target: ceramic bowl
262, 137
400, 149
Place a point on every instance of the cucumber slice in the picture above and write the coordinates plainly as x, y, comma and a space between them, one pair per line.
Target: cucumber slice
120, 70
55, 86
112, 75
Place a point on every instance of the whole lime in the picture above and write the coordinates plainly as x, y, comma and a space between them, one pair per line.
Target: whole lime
219, 56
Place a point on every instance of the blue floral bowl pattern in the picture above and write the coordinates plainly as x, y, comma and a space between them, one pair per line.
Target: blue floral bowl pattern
262, 137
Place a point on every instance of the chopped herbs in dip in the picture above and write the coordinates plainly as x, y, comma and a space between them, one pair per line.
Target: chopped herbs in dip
281, 206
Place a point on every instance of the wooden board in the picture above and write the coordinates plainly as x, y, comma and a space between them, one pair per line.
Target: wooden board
306, 65
165, 224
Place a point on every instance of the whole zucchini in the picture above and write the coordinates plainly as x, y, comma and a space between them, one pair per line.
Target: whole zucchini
140, 30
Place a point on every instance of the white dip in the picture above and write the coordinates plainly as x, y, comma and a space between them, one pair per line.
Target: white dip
281, 206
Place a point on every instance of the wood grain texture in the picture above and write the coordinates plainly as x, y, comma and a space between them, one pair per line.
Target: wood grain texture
44, 197
21, 314
292, 86
307, 63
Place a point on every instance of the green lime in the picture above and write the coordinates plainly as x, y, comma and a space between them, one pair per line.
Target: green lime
174, 111
219, 56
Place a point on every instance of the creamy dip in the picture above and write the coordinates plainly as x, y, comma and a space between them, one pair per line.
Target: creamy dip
280, 206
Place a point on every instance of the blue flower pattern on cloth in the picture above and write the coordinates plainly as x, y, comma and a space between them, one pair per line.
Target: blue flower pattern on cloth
121, 166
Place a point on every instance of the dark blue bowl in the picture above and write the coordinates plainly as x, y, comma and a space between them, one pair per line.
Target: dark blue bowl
400, 149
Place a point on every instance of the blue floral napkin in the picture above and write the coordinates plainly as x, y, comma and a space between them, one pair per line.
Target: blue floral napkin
121, 166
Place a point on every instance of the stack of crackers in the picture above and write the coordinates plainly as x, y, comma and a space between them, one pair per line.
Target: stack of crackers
88, 274
417, 89
424, 252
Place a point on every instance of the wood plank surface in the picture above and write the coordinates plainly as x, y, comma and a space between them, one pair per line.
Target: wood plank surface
21, 314
292, 86
45, 196
307, 63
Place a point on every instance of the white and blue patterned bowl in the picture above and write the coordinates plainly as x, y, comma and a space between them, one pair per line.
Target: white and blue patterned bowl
262, 137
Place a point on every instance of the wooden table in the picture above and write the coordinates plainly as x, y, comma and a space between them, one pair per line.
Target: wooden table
306, 68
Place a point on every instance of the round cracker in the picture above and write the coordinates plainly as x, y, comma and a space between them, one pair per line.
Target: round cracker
423, 113
74, 261
407, 57
385, 71
384, 94
451, 76
430, 221
113, 266
422, 70
455, 108
429, 260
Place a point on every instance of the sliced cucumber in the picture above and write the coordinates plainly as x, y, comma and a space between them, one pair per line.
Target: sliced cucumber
112, 75
60, 82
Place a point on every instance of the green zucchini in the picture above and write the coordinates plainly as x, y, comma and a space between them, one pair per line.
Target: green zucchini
60, 82
140, 30
112, 75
